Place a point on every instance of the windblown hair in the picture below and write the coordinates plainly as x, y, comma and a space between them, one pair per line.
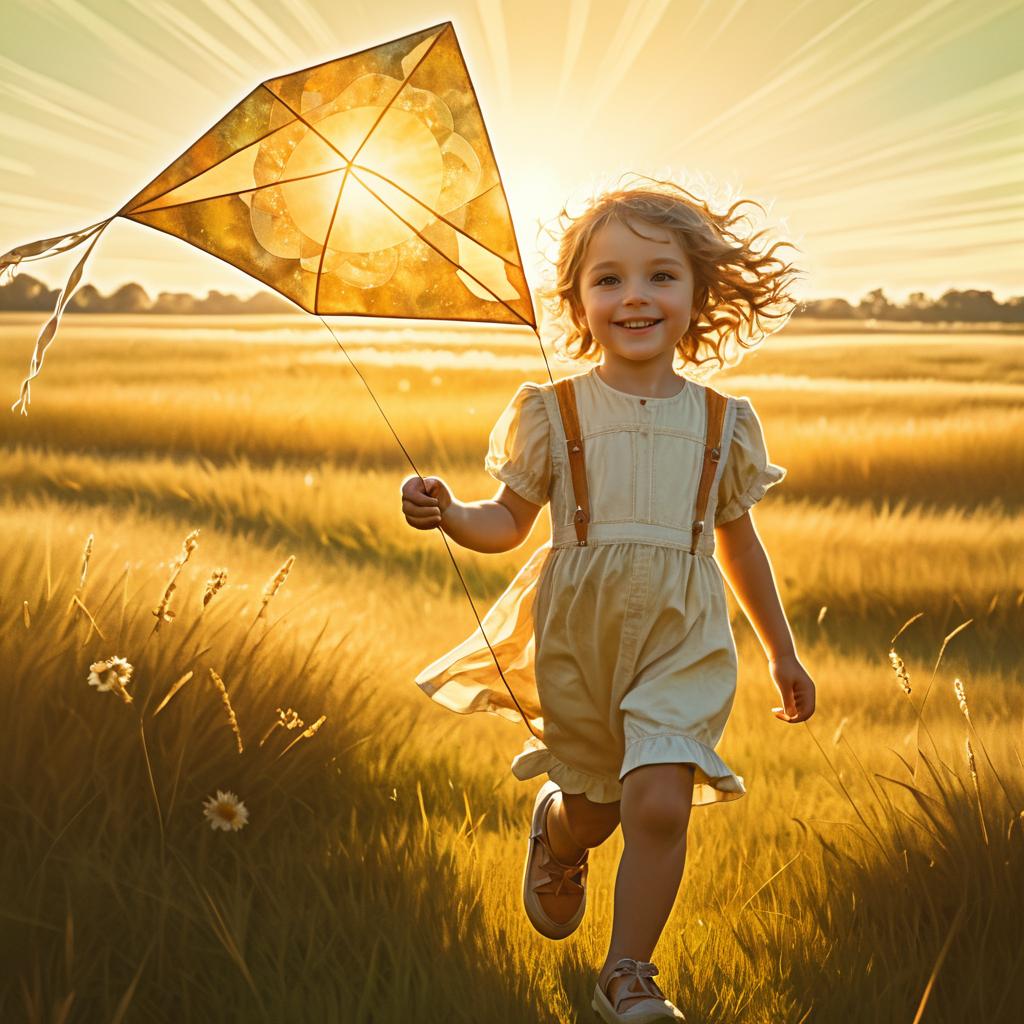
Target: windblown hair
742, 294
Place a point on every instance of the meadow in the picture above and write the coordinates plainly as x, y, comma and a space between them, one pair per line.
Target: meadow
872, 873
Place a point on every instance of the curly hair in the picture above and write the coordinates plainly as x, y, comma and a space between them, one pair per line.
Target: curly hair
741, 294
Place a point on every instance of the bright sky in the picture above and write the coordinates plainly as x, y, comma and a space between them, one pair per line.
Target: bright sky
884, 135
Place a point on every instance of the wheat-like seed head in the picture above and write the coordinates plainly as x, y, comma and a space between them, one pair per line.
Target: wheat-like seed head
217, 580
971, 763
226, 701
961, 697
902, 677
161, 611
189, 545
275, 584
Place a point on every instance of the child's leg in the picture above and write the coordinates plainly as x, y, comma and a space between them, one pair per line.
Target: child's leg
655, 812
574, 824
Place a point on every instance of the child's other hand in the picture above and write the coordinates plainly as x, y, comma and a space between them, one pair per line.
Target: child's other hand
796, 688
424, 501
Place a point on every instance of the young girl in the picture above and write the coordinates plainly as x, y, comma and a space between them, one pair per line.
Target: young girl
614, 639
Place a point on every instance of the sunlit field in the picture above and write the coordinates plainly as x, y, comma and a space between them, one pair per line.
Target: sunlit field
873, 872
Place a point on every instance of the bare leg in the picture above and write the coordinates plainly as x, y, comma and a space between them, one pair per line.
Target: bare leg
655, 812
574, 824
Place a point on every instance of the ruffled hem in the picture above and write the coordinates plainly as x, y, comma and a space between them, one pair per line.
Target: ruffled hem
535, 759
714, 781
767, 477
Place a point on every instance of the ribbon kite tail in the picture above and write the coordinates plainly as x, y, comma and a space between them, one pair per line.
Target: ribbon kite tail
43, 249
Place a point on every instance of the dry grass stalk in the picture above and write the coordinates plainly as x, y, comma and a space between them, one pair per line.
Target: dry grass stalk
275, 584
821, 614
85, 560
839, 732
286, 719
902, 676
76, 601
910, 621
226, 701
26, 618
171, 692
218, 579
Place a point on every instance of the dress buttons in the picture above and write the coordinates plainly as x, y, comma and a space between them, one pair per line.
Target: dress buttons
643, 401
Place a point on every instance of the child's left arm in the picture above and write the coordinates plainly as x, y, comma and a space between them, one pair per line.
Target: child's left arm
745, 564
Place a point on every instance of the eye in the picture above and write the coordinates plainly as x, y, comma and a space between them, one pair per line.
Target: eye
665, 273
607, 277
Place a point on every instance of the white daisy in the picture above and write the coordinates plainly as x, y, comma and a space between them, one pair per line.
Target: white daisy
225, 811
112, 674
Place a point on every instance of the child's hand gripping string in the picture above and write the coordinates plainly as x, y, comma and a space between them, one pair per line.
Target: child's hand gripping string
424, 501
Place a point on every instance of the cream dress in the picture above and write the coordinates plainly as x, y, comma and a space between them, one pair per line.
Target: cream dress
620, 652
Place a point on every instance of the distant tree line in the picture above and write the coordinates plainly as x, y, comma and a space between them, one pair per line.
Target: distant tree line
970, 306
25, 293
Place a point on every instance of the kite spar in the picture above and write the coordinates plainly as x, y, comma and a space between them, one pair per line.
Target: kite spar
363, 186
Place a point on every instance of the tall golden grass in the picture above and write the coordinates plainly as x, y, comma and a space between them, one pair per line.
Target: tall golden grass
872, 873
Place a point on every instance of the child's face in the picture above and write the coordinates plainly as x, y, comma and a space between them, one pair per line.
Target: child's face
626, 278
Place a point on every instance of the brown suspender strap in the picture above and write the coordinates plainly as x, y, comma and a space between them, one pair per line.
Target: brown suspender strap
566, 394
716, 404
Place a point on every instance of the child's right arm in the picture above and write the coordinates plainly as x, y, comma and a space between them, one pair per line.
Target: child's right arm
500, 524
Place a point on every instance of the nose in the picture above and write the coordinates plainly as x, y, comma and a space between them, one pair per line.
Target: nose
635, 293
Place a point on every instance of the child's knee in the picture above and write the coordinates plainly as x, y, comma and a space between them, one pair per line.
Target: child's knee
657, 801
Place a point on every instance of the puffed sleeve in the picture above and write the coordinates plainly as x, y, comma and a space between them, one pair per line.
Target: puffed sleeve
519, 452
748, 474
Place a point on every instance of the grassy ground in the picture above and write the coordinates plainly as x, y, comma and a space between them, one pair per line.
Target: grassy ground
866, 871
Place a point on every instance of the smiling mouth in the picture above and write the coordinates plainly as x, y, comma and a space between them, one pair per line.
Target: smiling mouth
637, 325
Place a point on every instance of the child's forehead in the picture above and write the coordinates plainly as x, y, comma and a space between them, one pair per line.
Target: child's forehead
627, 238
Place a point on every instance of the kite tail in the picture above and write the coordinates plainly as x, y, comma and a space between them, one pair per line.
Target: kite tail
9, 264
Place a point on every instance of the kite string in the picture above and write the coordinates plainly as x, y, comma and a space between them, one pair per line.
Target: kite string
451, 555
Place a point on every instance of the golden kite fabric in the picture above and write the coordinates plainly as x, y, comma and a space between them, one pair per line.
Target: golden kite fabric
363, 186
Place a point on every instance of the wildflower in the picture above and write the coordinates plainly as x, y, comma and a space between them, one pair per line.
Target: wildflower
113, 674
217, 580
285, 720
225, 811
901, 671
961, 697
275, 584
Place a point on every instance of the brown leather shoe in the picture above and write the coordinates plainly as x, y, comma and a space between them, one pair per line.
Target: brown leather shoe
656, 1009
545, 874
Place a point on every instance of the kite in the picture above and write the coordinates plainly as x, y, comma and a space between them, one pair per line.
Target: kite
362, 186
